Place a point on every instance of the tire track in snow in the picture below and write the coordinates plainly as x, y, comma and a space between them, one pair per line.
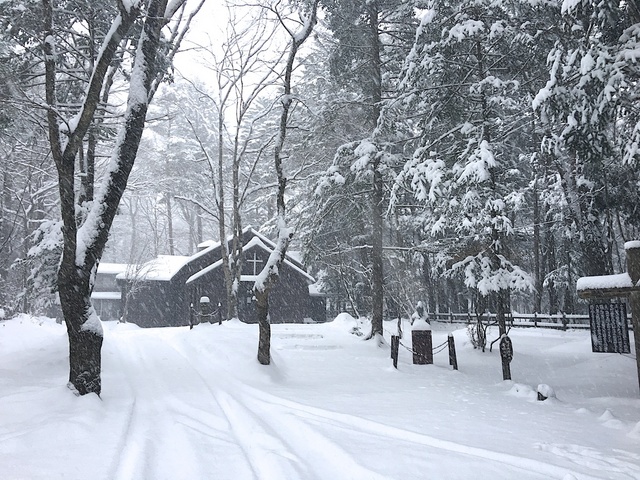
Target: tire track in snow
158, 441
132, 450
278, 445
375, 428
594, 459
263, 446
270, 458
127, 463
321, 454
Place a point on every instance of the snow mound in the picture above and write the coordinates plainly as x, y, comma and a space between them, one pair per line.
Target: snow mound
420, 324
546, 391
121, 326
635, 431
344, 319
609, 420
522, 391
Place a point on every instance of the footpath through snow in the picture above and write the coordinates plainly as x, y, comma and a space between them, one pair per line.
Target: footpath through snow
195, 404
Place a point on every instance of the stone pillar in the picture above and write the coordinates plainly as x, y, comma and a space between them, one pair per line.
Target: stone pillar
422, 343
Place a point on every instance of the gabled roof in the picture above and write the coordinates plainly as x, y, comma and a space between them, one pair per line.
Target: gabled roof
259, 241
162, 268
112, 268
165, 267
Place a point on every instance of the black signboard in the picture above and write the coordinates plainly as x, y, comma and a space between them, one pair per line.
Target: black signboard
609, 329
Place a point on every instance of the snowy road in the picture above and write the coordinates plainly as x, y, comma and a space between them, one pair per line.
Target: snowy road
195, 404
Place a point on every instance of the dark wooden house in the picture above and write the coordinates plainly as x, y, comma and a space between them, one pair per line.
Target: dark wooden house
167, 291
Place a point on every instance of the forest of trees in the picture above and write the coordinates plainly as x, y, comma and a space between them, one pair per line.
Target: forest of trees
474, 155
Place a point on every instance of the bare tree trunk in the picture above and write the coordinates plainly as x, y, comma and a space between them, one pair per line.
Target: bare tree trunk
377, 272
220, 201
270, 274
552, 265
167, 198
264, 329
537, 264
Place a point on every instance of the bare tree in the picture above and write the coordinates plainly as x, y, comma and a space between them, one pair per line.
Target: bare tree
270, 273
243, 69
84, 241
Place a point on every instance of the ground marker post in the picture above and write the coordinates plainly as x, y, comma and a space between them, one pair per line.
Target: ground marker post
506, 352
453, 359
395, 345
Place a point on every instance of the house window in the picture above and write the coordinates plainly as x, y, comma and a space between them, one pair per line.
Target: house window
255, 261
249, 300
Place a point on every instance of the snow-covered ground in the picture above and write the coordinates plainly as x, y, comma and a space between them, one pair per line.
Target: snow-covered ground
196, 405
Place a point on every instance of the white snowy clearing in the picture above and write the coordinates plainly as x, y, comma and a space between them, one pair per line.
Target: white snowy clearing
196, 405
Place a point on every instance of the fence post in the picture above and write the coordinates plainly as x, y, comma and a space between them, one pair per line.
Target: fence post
450, 316
535, 319
453, 359
395, 344
564, 321
506, 354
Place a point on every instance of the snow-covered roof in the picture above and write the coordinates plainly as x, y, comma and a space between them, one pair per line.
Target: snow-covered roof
204, 271
166, 266
315, 290
162, 268
106, 296
295, 255
258, 241
632, 245
604, 282
208, 243
112, 268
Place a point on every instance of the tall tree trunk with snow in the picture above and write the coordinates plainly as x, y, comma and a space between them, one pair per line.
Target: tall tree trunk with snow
377, 273
270, 274
85, 242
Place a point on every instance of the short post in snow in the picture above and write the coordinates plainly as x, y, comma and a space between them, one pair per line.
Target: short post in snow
610, 330
453, 359
422, 342
205, 310
395, 346
219, 313
506, 354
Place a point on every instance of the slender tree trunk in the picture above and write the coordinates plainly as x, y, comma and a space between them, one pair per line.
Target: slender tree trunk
167, 198
227, 262
552, 266
262, 289
198, 226
537, 264
568, 303
377, 232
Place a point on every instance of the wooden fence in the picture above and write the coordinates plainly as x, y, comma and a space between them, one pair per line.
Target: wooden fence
559, 321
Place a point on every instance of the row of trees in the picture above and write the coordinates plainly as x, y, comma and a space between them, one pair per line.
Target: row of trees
477, 155
505, 144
